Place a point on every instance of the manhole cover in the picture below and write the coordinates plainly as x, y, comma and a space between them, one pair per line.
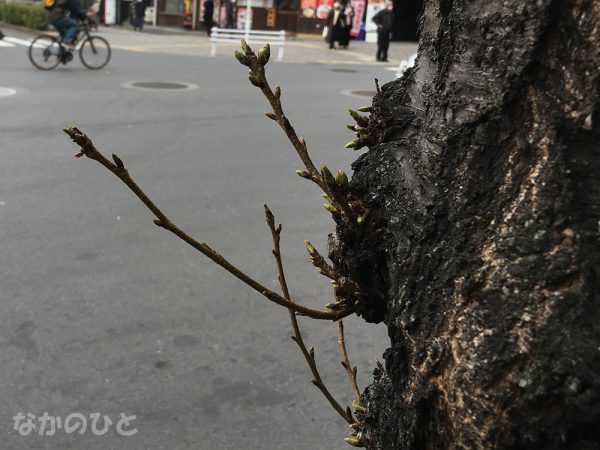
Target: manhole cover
358, 93
344, 70
6, 92
160, 85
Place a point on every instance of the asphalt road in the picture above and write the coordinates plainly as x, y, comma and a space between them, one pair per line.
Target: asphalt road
103, 312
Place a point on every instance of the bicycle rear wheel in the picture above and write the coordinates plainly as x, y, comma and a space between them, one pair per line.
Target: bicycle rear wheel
45, 52
94, 52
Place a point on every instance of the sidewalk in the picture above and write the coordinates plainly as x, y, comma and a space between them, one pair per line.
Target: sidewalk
302, 49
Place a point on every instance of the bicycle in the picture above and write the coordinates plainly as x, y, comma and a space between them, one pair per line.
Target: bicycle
47, 51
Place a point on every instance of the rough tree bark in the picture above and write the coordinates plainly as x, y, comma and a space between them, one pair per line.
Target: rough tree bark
482, 251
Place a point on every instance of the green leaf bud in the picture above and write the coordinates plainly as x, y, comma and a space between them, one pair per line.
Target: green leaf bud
309, 247
355, 115
327, 176
342, 179
329, 207
358, 407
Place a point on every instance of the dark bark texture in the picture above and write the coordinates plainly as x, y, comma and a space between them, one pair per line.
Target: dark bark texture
482, 249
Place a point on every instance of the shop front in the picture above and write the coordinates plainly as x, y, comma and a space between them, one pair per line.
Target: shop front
288, 15
293, 16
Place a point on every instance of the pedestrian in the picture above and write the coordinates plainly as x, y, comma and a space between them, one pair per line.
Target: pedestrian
209, 8
1, 35
384, 20
230, 14
335, 23
139, 13
348, 18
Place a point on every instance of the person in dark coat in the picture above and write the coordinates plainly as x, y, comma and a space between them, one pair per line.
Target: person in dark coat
384, 20
335, 22
139, 12
207, 18
348, 18
230, 14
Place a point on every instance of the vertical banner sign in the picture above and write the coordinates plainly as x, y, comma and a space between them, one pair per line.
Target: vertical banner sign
357, 21
110, 12
223, 15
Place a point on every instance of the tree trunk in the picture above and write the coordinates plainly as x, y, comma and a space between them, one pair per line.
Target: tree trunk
482, 249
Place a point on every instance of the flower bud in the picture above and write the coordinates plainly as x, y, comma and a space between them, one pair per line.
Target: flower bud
246, 47
243, 59
264, 54
351, 144
365, 109
256, 81
351, 127
360, 220
352, 441
302, 173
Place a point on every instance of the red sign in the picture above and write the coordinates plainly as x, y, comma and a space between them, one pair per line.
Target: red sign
359, 12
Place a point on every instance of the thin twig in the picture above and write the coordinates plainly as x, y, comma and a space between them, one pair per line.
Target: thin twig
351, 371
309, 355
274, 98
88, 149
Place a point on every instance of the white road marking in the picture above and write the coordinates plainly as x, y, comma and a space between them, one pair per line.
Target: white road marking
6, 44
14, 40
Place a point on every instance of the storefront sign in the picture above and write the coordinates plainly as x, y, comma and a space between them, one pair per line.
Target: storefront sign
110, 12
373, 8
357, 20
323, 8
308, 8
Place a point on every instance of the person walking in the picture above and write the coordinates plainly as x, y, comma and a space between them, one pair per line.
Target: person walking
348, 18
207, 18
384, 20
335, 22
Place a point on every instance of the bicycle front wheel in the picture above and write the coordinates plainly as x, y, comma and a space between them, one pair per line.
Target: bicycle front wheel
45, 52
94, 52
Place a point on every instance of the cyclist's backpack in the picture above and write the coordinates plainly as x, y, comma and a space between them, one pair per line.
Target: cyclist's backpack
48, 4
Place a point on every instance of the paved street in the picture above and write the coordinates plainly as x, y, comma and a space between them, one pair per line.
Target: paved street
103, 312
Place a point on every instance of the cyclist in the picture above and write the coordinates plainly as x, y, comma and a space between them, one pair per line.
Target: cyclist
63, 17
